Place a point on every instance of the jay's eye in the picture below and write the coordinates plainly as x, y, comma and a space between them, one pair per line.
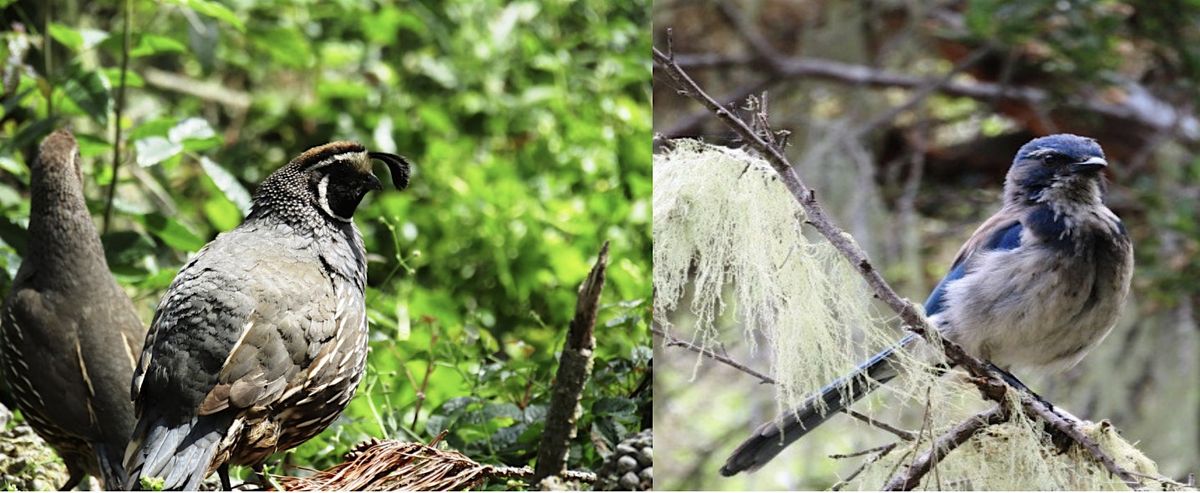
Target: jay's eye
1055, 159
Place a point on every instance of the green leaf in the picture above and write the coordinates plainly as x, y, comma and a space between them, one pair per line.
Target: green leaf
614, 406
153, 44
222, 213
214, 10
67, 36
87, 89
76, 40
13, 234
92, 145
195, 134
126, 252
158, 127
154, 150
30, 134
171, 232
227, 184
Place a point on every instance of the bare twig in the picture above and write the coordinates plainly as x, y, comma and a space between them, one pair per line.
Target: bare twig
989, 384
671, 340
429, 367
911, 477
117, 113
864, 452
886, 449
690, 124
574, 368
905, 435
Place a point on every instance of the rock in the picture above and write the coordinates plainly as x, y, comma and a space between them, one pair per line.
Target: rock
27, 463
630, 466
629, 481
626, 464
645, 456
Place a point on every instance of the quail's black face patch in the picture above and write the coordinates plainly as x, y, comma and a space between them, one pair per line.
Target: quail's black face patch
340, 188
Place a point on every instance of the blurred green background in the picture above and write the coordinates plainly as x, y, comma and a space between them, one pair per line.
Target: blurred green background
529, 126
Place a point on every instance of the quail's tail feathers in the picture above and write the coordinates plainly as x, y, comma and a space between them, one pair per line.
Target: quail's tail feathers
772, 437
180, 454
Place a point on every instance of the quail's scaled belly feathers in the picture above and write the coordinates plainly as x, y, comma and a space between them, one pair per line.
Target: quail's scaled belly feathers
69, 333
261, 339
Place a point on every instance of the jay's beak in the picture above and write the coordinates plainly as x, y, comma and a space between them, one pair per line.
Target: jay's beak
1093, 163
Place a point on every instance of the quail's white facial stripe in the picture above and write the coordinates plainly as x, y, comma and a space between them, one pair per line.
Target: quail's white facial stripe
355, 158
323, 199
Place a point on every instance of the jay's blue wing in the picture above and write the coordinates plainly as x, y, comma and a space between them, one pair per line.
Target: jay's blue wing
1003, 237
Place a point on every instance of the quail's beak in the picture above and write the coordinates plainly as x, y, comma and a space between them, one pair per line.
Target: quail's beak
370, 182
1094, 163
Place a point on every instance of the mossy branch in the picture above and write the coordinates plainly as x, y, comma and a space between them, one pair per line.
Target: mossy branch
990, 384
911, 477
574, 369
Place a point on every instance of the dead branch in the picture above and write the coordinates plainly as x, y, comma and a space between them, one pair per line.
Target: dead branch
989, 384
911, 477
574, 368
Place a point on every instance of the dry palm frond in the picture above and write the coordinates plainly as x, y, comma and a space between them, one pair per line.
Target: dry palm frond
396, 465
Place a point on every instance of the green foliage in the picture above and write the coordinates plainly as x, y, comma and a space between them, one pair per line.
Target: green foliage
529, 125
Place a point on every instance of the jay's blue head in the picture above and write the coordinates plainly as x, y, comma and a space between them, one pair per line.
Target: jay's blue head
1057, 168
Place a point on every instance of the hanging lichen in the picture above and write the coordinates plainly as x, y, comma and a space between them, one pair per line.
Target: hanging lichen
724, 226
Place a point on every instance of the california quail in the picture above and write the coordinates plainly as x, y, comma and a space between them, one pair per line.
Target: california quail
69, 333
262, 337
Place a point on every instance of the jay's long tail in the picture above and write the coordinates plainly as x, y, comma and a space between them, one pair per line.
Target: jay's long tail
772, 437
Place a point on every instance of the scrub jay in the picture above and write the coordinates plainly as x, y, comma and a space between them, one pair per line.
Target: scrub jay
1037, 286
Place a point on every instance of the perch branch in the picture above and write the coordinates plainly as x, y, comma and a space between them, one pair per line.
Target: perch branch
911, 476
574, 368
989, 384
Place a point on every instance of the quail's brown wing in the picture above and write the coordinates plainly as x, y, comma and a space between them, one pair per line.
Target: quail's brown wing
293, 321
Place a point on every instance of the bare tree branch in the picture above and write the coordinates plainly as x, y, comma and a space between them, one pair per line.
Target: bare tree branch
1139, 106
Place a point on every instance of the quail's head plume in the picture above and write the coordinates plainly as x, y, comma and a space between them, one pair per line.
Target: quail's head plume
332, 179
261, 339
